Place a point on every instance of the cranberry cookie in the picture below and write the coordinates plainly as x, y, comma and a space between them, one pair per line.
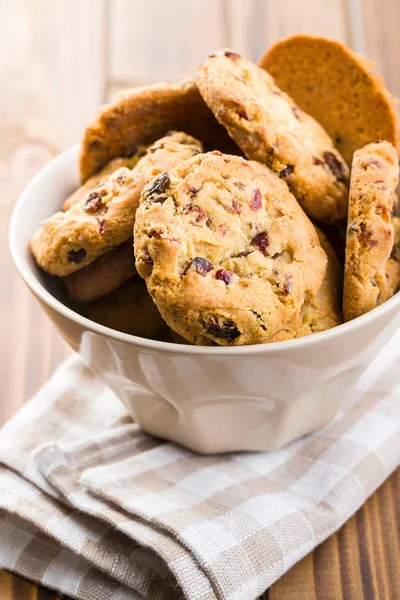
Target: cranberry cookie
338, 88
370, 277
129, 162
269, 127
226, 251
141, 115
104, 218
103, 275
324, 310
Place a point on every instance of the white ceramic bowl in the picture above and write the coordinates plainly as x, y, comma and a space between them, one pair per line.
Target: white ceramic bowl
210, 399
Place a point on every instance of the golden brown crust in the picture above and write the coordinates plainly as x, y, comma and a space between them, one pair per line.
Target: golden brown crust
324, 311
338, 88
129, 162
129, 309
103, 275
70, 240
142, 115
270, 128
369, 279
227, 253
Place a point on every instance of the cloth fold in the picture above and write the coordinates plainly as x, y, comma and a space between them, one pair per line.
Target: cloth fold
95, 508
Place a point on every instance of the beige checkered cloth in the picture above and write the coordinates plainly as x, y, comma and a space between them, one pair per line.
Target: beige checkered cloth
94, 508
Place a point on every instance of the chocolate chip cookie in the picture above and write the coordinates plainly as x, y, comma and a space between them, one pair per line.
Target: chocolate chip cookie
141, 115
70, 240
103, 275
338, 88
369, 278
129, 162
226, 251
324, 310
270, 128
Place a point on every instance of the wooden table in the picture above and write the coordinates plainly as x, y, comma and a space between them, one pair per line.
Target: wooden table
62, 58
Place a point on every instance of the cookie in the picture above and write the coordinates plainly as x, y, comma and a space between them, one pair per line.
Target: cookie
338, 88
226, 251
324, 310
70, 240
268, 126
141, 115
129, 309
103, 275
128, 162
369, 279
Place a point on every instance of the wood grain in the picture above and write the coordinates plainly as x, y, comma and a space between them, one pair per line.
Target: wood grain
63, 59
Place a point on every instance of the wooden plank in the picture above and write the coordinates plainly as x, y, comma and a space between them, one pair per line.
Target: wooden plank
162, 41
255, 24
381, 21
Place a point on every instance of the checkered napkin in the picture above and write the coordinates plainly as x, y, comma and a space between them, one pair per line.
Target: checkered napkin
95, 508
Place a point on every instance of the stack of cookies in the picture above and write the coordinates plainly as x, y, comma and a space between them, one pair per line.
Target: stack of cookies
214, 211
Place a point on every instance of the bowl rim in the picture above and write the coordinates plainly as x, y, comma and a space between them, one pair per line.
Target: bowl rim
33, 283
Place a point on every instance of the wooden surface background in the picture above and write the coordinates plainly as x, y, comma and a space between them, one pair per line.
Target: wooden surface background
59, 60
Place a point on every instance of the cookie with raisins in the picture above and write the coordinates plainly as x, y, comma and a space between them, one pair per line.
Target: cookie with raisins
268, 126
371, 277
226, 251
324, 311
116, 163
104, 218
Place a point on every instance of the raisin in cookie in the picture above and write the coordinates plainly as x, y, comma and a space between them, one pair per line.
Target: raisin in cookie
338, 88
226, 251
324, 310
129, 309
268, 126
369, 278
103, 275
104, 218
128, 162
141, 115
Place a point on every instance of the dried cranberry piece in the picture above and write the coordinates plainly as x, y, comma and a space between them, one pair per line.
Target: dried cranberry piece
209, 221
243, 114
222, 229
146, 258
288, 285
75, 257
373, 243
276, 93
160, 185
335, 166
94, 201
202, 266
225, 276
286, 171
102, 222
200, 213
193, 191
236, 208
317, 161
296, 112
261, 242
232, 55
226, 330
381, 184
256, 203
